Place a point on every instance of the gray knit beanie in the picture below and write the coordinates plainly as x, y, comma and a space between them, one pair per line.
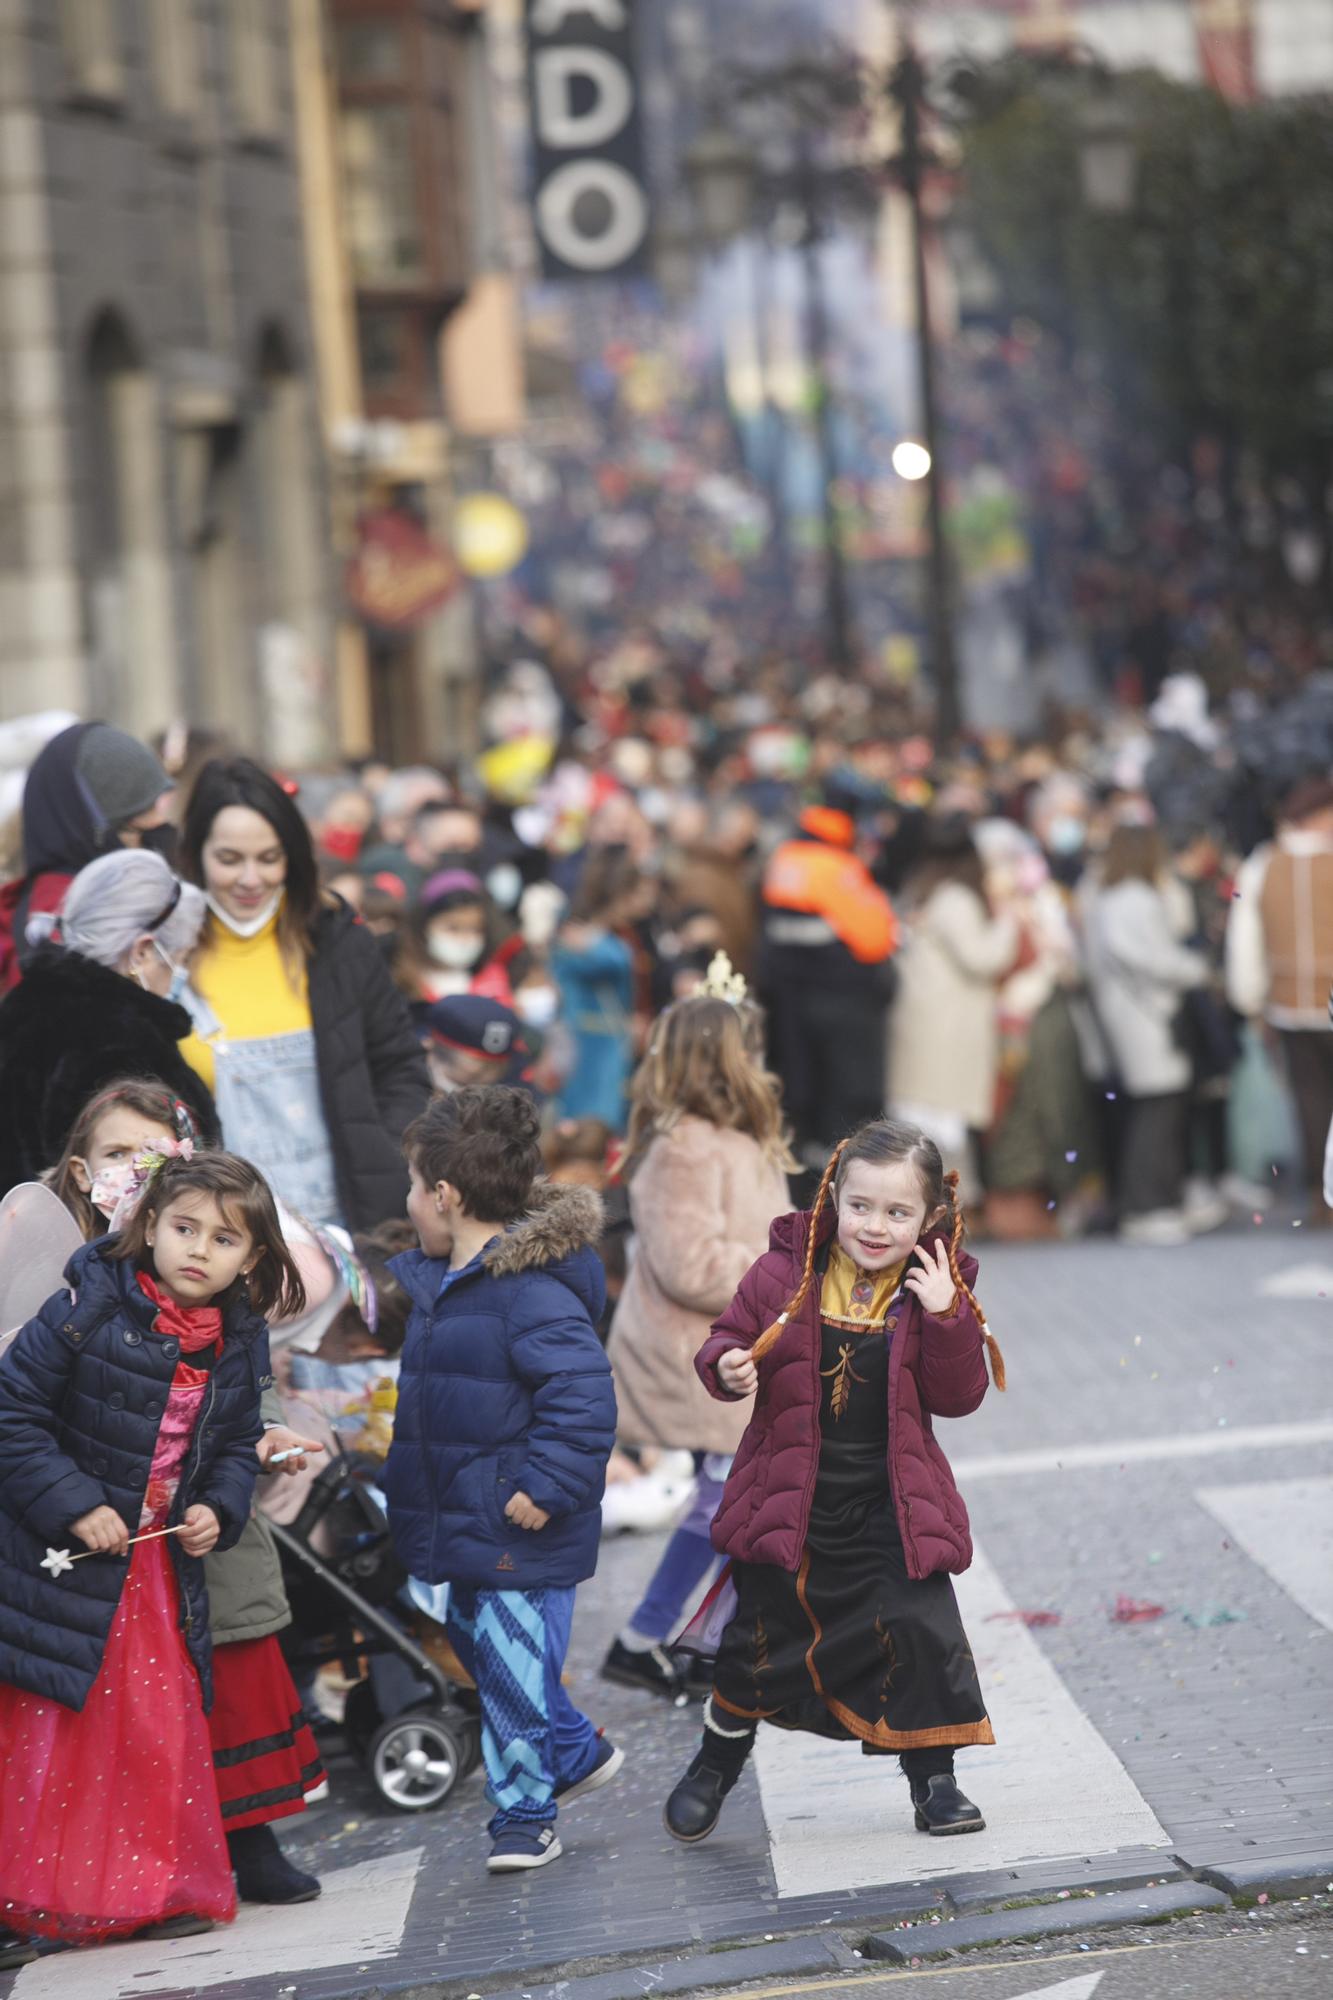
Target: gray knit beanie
122, 774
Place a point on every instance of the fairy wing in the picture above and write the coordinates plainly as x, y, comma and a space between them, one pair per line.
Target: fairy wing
38, 1236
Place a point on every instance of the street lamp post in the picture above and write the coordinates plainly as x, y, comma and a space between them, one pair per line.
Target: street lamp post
837, 597
907, 88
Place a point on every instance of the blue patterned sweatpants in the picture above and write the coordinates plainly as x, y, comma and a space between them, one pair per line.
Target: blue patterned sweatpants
513, 1643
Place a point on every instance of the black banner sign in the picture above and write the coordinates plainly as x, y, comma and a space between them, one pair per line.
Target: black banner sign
590, 202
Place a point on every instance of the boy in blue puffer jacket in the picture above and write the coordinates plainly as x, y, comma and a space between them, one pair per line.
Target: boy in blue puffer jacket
506, 1417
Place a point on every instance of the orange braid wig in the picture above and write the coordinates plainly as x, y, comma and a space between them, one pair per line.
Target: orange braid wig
773, 1334
965, 1291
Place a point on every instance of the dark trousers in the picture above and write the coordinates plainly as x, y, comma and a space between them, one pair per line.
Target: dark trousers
828, 1047
1152, 1158
1209, 1153
1308, 1053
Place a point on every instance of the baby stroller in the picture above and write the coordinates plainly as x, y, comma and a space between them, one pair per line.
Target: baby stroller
415, 1731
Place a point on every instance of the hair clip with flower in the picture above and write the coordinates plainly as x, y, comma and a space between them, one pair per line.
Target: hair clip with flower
146, 1166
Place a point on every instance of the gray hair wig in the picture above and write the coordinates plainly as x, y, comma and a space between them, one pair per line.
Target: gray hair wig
125, 896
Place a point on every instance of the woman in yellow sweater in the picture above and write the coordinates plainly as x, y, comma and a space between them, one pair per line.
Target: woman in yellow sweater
299, 1031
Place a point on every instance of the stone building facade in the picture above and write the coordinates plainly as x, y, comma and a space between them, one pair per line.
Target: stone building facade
163, 539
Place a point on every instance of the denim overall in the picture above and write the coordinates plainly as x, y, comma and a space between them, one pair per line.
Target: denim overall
272, 1113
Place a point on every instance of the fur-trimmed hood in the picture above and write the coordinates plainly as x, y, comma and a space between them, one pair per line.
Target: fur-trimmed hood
557, 1237
560, 1221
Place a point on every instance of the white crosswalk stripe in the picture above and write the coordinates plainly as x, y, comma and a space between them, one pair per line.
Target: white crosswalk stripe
1069, 1989
1051, 1787
1286, 1526
359, 1919
1145, 1450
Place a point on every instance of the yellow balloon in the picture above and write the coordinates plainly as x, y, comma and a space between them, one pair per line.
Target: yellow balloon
490, 535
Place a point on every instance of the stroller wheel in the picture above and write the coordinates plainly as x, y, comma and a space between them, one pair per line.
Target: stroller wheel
416, 1759
469, 1730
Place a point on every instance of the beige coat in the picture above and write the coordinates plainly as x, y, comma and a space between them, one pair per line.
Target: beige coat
701, 1203
943, 1029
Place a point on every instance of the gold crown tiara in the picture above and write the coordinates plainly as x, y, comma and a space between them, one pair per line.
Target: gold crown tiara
723, 982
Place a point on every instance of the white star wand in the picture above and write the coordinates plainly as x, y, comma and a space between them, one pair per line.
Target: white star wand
60, 1560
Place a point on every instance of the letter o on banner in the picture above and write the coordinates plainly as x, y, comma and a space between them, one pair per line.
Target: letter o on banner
557, 223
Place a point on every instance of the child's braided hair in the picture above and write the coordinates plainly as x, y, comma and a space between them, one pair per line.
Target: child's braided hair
881, 1143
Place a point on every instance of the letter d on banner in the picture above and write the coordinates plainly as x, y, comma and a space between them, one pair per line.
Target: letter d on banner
589, 199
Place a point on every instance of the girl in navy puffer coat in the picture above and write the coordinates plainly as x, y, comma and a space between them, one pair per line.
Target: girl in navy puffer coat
129, 1412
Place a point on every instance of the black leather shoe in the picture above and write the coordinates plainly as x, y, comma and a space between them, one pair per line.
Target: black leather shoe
695, 1806
942, 1808
651, 1669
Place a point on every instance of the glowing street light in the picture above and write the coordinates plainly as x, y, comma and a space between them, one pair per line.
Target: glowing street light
911, 460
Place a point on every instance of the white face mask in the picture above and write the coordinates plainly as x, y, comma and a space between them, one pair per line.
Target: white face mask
246, 927
537, 1005
455, 952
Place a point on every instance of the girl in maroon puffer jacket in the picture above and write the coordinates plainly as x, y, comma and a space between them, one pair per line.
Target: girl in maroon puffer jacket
841, 1516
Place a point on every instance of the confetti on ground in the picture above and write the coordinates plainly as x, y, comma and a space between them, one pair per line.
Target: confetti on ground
1213, 1614
1131, 1611
1034, 1620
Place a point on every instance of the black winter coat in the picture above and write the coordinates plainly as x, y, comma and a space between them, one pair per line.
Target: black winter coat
82, 1391
372, 1070
72, 1027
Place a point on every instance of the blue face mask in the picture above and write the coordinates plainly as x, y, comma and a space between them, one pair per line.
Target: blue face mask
180, 978
1067, 834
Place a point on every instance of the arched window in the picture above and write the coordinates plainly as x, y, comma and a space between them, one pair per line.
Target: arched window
128, 607
294, 666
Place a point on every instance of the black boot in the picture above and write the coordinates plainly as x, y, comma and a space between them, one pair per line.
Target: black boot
694, 1807
263, 1872
942, 1808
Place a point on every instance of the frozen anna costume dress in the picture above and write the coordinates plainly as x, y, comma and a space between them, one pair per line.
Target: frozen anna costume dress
109, 1816
836, 1615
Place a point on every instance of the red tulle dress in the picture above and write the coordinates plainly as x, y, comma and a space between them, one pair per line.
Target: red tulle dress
109, 1817
265, 1758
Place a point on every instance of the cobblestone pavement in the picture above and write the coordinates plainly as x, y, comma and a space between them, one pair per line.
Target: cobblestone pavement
1167, 1439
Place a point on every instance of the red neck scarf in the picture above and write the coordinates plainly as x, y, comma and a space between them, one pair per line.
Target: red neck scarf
195, 1327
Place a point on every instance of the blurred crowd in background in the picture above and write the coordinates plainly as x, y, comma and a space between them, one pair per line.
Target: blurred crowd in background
1094, 965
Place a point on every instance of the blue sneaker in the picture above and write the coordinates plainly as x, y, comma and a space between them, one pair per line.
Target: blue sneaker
523, 1847
609, 1762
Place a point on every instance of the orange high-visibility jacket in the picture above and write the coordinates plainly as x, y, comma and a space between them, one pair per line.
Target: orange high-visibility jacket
815, 880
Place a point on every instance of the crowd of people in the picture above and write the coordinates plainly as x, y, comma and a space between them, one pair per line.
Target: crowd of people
1094, 967
291, 1056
